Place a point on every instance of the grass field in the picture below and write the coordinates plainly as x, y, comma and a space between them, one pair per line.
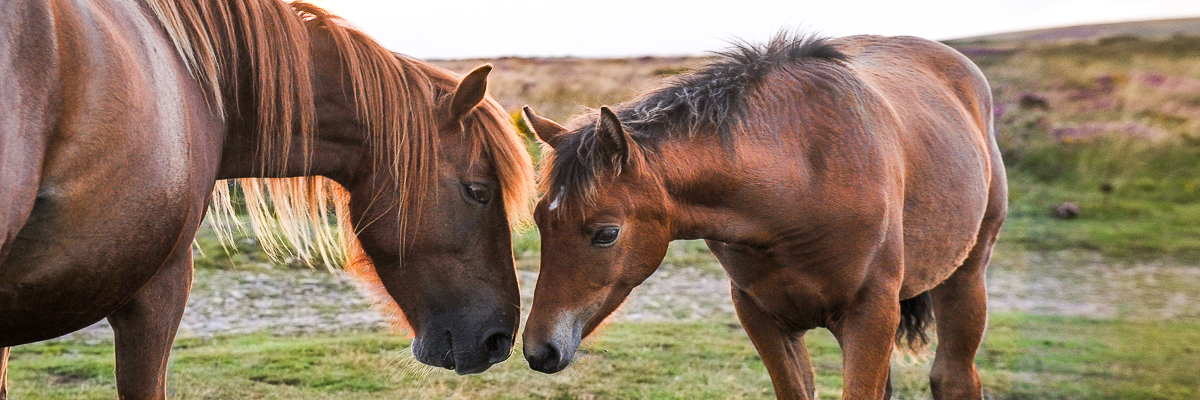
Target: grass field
1023, 357
1112, 126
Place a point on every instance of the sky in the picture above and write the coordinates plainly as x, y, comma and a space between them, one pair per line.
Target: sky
445, 29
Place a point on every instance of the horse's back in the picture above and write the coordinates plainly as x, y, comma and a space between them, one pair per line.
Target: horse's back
953, 175
126, 147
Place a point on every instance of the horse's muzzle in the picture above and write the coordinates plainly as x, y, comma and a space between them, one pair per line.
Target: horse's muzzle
465, 354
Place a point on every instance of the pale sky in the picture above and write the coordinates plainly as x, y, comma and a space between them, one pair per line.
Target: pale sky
441, 29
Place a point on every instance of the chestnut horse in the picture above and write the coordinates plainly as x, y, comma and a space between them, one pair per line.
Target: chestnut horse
118, 117
851, 184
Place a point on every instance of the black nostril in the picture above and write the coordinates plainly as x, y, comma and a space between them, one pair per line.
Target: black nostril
552, 357
498, 346
547, 361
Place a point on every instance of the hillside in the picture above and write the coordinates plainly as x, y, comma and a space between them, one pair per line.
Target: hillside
1112, 126
1157, 29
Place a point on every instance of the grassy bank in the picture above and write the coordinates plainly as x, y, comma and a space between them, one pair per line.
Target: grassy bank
1110, 126
1023, 357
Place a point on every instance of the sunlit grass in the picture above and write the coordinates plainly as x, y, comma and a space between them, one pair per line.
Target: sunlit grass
1023, 357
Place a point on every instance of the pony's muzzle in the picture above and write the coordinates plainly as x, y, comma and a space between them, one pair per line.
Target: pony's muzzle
545, 358
552, 354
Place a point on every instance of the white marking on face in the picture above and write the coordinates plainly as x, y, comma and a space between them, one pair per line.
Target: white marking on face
558, 199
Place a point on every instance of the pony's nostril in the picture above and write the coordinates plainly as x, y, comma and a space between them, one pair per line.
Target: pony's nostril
498, 347
547, 362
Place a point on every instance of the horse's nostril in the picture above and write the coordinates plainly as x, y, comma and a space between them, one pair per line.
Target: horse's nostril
498, 347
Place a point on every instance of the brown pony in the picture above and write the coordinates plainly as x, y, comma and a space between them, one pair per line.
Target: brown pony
118, 116
848, 183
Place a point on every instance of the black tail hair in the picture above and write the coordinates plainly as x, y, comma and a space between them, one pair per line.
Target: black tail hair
916, 315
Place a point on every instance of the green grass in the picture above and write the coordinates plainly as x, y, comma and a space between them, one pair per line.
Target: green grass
1135, 100
1120, 228
1023, 357
1070, 358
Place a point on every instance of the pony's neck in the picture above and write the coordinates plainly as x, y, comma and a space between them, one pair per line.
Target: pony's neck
703, 179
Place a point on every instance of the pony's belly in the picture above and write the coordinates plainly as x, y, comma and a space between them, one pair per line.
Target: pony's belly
933, 252
803, 296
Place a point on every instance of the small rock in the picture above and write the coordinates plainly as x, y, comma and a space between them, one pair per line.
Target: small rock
1031, 101
1067, 210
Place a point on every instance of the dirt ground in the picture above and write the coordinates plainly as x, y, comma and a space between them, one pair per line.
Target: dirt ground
286, 302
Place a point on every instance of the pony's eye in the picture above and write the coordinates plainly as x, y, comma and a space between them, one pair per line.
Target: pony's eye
478, 192
606, 236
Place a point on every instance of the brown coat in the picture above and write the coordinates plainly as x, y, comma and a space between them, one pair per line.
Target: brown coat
849, 183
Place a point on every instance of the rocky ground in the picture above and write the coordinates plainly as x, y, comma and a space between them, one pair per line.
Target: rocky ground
286, 302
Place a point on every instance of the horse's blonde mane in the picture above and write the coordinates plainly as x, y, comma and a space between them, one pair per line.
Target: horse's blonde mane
395, 97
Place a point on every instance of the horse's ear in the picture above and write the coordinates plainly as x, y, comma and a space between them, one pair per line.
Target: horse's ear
470, 92
545, 129
614, 142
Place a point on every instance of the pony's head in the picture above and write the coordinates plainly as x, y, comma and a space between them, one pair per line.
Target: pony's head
605, 215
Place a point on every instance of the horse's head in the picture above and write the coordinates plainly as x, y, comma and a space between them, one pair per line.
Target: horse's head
439, 240
434, 170
604, 226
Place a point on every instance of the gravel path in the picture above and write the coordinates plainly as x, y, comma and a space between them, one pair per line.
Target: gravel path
287, 302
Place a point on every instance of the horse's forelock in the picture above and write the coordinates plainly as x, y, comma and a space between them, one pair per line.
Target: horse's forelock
497, 135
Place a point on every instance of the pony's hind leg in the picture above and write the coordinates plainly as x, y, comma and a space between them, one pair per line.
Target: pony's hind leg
783, 352
4, 373
960, 308
145, 328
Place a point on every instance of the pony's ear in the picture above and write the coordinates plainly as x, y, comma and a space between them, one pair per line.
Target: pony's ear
614, 142
470, 92
545, 129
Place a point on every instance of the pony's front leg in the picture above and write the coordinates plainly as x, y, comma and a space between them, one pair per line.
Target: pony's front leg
782, 351
145, 328
866, 332
4, 373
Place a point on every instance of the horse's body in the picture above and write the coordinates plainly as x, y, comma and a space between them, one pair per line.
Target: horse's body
849, 184
118, 116
102, 101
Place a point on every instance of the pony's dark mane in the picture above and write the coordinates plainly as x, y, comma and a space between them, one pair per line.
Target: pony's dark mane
711, 99
708, 101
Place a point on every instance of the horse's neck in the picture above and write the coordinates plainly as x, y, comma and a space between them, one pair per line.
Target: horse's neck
242, 156
332, 151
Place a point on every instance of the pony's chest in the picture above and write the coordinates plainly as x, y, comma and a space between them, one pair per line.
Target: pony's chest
799, 293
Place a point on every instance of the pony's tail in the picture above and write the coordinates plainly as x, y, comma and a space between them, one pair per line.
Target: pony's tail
916, 315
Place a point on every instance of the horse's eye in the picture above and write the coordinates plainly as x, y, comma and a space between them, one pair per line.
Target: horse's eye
606, 236
478, 192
